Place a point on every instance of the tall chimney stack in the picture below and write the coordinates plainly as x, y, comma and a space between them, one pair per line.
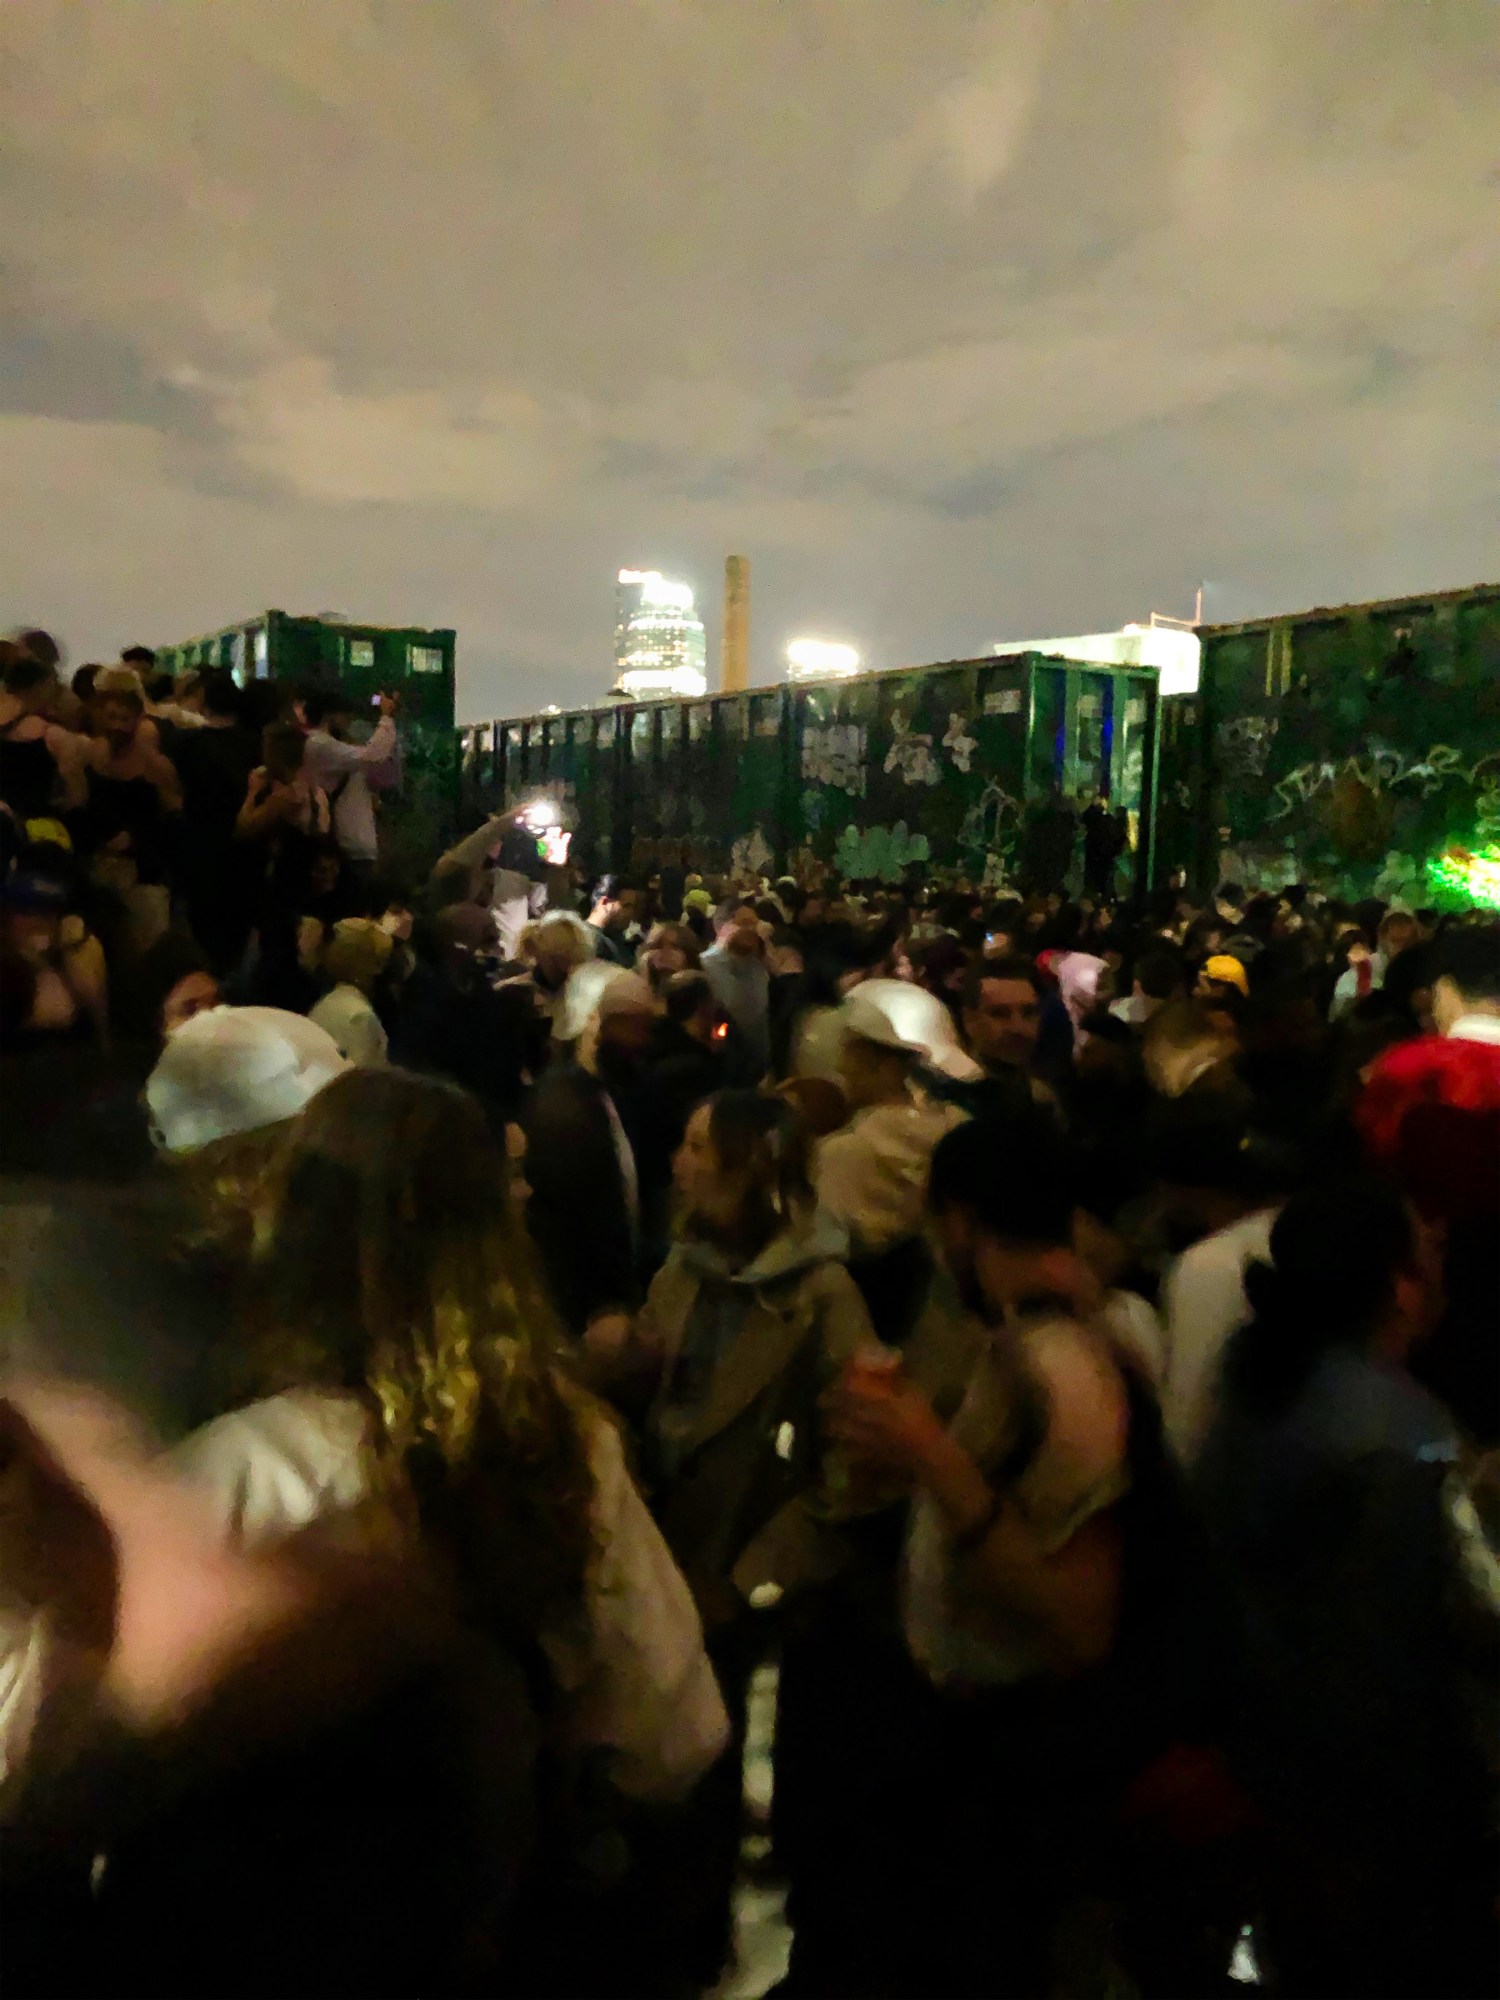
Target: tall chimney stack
734, 652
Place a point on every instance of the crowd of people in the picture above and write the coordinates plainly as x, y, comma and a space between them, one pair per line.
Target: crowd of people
457, 1331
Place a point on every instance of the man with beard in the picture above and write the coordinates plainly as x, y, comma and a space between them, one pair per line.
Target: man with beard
583, 1143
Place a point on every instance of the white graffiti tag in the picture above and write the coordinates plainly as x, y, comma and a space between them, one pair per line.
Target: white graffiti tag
1383, 770
959, 744
834, 754
911, 754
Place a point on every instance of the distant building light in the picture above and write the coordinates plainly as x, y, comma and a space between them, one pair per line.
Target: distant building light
655, 683
660, 645
658, 589
821, 659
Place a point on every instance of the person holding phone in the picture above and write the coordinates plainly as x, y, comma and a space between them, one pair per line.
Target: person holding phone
342, 769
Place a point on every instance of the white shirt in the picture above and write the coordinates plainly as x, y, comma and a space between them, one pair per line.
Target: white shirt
328, 763
1346, 992
1204, 1303
634, 1674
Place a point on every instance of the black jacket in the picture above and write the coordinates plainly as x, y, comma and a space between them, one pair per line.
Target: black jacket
580, 1213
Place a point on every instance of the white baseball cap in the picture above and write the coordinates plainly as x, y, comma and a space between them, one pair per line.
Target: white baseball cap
584, 996
894, 1014
235, 1069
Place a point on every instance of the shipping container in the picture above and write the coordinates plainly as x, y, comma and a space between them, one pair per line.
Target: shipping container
1357, 748
942, 768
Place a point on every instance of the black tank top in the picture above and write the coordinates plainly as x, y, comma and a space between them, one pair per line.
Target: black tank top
28, 774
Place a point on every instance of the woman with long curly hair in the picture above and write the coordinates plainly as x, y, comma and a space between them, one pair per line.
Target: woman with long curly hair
402, 1356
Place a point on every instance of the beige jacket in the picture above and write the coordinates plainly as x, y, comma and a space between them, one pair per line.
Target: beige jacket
873, 1173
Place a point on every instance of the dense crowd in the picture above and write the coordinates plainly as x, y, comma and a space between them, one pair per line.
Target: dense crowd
458, 1330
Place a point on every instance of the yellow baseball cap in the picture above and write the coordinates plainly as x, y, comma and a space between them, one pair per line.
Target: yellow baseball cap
1227, 971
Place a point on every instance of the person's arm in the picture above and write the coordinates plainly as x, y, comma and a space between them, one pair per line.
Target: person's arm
258, 816
70, 754
162, 772
471, 851
85, 973
343, 759
1059, 1570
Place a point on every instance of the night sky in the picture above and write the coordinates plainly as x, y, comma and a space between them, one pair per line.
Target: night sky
963, 321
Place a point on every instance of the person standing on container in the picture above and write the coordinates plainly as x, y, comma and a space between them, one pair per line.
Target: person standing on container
343, 769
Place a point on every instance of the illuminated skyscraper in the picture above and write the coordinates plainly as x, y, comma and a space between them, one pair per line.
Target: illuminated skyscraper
660, 647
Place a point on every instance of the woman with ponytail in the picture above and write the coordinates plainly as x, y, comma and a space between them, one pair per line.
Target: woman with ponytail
1323, 1483
750, 1320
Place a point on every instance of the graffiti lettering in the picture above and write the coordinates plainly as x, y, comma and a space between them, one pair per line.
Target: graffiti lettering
991, 822
834, 754
1245, 744
959, 744
1383, 770
911, 754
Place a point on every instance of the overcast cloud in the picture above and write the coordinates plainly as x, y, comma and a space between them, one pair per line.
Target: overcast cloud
963, 321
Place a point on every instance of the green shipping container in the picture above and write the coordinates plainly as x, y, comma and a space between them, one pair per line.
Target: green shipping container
937, 768
1358, 748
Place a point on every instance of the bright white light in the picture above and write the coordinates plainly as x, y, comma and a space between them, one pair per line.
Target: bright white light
655, 682
540, 814
660, 590
820, 658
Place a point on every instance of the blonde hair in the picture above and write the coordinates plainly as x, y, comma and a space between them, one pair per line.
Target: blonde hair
390, 1262
580, 945
357, 953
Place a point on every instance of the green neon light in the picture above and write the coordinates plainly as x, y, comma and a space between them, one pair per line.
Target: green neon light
1475, 876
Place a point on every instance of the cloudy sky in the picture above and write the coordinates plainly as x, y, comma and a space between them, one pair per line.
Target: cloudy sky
963, 319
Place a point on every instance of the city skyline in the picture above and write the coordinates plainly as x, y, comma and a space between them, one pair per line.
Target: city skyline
439, 315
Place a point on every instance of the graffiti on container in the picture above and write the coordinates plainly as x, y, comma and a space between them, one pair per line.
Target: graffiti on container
959, 744
879, 853
1384, 769
1245, 744
991, 823
833, 753
751, 853
911, 753
1487, 801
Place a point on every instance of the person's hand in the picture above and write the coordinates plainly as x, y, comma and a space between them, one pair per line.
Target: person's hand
883, 1421
607, 1335
388, 705
177, 1604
